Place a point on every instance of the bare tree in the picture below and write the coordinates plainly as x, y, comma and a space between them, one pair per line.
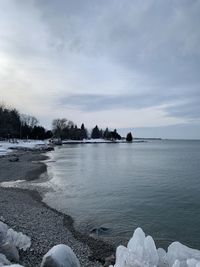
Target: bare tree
30, 121
58, 125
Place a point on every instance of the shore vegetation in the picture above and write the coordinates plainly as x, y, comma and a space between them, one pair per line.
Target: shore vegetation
14, 125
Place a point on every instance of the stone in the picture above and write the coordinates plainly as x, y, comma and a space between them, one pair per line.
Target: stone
59, 256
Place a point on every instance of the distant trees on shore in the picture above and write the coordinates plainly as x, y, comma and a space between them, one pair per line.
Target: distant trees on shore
110, 135
9, 122
129, 137
16, 125
64, 129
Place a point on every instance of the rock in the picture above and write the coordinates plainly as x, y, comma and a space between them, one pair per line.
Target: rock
109, 261
100, 230
10, 251
59, 256
14, 159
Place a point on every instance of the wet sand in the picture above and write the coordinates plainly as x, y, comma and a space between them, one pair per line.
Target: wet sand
24, 211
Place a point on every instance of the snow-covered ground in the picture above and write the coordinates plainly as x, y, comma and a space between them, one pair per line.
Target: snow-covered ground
5, 147
88, 141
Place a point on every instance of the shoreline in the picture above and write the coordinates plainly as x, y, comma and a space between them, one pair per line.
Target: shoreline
90, 251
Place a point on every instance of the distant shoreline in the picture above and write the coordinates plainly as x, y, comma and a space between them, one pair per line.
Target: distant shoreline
65, 142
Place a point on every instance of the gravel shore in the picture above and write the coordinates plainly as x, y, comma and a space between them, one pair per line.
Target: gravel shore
24, 211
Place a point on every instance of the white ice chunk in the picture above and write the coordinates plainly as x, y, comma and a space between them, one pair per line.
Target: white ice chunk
8, 235
10, 251
178, 251
140, 252
162, 262
137, 241
19, 240
176, 263
122, 255
150, 252
3, 260
191, 262
3, 232
60, 256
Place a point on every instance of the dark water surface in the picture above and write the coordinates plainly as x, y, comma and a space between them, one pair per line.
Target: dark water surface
154, 185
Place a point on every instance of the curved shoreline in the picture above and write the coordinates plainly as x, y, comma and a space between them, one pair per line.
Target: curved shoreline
96, 250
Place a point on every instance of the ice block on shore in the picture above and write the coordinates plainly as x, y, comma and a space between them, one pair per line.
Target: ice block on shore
141, 252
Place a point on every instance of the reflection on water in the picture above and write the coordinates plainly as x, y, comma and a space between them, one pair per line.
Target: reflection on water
154, 185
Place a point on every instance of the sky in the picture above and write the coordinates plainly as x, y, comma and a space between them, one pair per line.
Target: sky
131, 64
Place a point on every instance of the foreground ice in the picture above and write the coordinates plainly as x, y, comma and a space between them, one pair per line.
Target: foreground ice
60, 256
19, 240
141, 252
10, 241
3, 260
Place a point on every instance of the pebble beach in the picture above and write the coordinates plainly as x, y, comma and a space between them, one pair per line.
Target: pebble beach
24, 211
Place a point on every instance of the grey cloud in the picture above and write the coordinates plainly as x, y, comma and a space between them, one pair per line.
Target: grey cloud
160, 39
180, 131
157, 41
179, 103
91, 102
190, 109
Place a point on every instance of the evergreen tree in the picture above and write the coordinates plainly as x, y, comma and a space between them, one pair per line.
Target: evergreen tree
38, 132
129, 137
25, 131
106, 134
84, 134
95, 133
48, 134
9, 122
101, 133
115, 135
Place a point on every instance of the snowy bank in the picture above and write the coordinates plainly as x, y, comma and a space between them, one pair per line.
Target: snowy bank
89, 141
7, 147
100, 141
142, 252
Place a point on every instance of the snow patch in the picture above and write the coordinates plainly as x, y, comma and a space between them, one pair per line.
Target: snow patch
5, 147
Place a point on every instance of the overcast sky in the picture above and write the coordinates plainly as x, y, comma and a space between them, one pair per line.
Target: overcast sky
124, 64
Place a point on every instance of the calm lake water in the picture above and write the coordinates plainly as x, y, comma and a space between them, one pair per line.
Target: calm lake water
154, 185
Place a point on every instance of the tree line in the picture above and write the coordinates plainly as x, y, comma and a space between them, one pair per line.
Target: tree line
16, 125
64, 129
